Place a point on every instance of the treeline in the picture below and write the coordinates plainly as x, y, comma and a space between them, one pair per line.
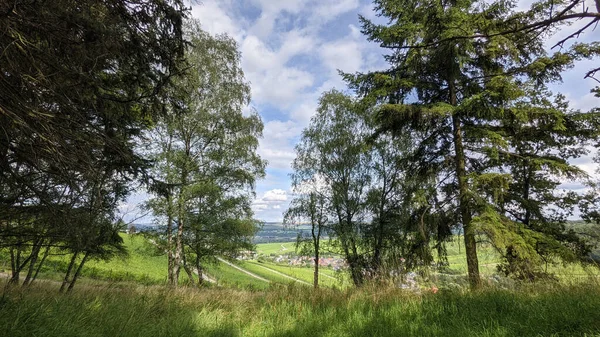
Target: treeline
100, 97
460, 134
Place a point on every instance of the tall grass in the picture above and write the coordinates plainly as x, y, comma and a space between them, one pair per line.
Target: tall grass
300, 311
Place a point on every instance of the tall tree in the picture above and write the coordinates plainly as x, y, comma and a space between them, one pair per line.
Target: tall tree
309, 206
206, 155
80, 81
454, 92
331, 148
544, 137
361, 190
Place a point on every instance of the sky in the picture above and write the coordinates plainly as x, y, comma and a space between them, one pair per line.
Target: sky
291, 53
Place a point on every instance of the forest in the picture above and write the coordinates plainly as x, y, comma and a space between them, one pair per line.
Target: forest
459, 148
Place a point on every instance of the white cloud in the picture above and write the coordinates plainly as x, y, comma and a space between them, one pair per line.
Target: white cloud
585, 103
215, 20
271, 204
272, 81
275, 195
344, 54
270, 12
334, 8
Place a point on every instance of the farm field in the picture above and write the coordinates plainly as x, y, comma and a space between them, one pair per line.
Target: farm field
327, 276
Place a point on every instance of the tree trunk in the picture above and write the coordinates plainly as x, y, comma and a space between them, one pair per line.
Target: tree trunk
200, 271
18, 266
189, 271
316, 274
526, 189
171, 264
37, 271
464, 208
68, 273
316, 243
13, 266
77, 272
180, 226
34, 256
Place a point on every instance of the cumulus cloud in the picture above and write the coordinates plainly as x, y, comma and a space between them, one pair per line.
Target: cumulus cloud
215, 19
275, 195
271, 204
344, 54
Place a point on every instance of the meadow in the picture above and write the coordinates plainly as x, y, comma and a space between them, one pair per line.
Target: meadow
125, 297
300, 311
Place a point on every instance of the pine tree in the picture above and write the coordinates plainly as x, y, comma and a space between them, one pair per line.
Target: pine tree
454, 92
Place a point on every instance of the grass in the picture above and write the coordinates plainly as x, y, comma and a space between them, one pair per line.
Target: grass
276, 248
143, 265
306, 274
300, 311
230, 277
255, 268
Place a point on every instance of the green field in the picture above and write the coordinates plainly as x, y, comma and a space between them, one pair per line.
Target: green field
275, 248
144, 265
227, 276
330, 279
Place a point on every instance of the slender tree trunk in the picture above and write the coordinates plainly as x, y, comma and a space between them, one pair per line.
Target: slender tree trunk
39, 267
13, 266
465, 209
171, 260
18, 266
316, 243
526, 188
357, 270
34, 256
316, 273
380, 230
68, 273
189, 271
200, 271
178, 243
180, 226
72, 284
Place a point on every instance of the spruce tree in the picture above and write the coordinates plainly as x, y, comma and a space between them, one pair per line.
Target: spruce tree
455, 92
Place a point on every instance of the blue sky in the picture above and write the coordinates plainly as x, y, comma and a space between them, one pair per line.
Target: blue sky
291, 51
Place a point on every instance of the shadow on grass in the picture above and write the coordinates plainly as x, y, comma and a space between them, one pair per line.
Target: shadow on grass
497, 313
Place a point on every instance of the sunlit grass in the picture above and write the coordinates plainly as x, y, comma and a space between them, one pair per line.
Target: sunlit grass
301, 311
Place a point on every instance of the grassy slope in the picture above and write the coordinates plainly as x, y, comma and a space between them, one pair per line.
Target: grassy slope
143, 265
262, 272
306, 274
296, 311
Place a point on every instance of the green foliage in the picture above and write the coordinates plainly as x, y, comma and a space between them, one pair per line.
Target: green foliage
205, 155
484, 129
80, 84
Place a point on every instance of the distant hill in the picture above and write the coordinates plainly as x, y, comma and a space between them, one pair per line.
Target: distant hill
269, 231
277, 232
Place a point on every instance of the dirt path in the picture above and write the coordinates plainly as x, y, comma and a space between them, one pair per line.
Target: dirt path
282, 274
243, 270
